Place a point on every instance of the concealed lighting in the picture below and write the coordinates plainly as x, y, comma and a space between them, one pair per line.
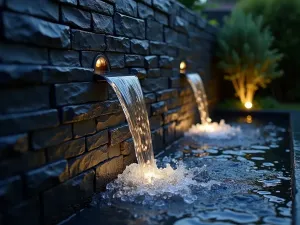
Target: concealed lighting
101, 65
248, 105
182, 67
249, 119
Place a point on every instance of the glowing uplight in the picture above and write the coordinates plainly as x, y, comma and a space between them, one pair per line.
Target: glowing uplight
249, 119
209, 120
248, 105
182, 67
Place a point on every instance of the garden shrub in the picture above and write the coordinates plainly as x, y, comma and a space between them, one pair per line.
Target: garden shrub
283, 18
245, 54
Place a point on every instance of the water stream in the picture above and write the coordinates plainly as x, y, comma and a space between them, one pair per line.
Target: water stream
130, 95
200, 96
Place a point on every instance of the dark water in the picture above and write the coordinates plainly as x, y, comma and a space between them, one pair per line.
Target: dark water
254, 179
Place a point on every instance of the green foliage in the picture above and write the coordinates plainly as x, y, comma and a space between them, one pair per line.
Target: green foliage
283, 18
246, 57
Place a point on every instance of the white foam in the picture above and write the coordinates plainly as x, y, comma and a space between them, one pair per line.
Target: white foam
219, 131
152, 184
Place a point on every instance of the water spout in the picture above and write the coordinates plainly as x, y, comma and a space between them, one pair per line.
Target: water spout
200, 96
130, 95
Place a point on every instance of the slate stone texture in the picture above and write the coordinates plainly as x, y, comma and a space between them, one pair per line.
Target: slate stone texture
63, 134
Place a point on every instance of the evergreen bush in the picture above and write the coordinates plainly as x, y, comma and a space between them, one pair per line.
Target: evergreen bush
246, 57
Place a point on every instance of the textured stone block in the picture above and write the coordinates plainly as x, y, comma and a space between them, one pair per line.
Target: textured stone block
82, 40
145, 11
158, 140
24, 100
118, 44
166, 94
13, 145
151, 62
108, 171
27, 29
46, 177
150, 98
103, 24
112, 120
88, 58
66, 150
54, 75
180, 24
173, 103
161, 17
52, 136
77, 113
134, 60
171, 36
88, 160
71, 2
154, 30
129, 27
158, 108
139, 72
157, 48
169, 133
148, 2
171, 115
128, 7
154, 84
47, 8
129, 159
139, 47
153, 73
114, 151
28, 121
119, 134
76, 17
23, 54
23, 162
84, 128
127, 147
76, 93
166, 62
21, 74
27, 212
64, 58
96, 140
59, 202
11, 192
156, 122
162, 5
98, 6
174, 82
116, 60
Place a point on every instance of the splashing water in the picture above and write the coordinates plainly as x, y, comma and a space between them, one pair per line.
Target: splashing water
130, 95
214, 130
221, 131
145, 187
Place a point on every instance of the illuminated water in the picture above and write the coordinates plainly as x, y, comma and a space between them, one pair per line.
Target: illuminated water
215, 182
221, 131
130, 95
200, 96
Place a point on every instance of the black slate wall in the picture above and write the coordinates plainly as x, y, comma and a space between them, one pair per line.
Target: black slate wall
63, 136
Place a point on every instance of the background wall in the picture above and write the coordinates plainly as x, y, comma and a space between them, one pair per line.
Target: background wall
63, 136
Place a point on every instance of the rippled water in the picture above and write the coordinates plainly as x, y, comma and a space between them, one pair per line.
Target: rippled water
246, 184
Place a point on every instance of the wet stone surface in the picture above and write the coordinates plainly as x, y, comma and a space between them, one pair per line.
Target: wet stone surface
223, 182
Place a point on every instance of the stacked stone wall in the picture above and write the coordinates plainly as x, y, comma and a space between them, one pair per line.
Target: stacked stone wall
63, 135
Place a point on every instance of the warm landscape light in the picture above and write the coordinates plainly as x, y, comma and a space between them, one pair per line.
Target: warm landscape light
182, 67
101, 65
248, 105
249, 119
